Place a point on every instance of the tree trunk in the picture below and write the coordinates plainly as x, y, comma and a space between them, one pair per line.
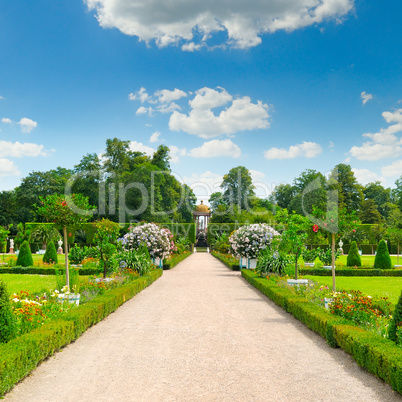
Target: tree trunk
397, 258
333, 263
296, 265
66, 257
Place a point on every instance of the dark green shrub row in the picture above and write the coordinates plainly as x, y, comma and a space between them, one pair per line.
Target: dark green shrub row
44, 271
21, 355
352, 272
182, 230
171, 262
227, 261
377, 355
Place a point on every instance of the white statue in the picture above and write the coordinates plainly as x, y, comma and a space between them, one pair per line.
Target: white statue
60, 250
340, 246
11, 243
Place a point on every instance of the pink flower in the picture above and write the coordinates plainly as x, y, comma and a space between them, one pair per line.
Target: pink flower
315, 228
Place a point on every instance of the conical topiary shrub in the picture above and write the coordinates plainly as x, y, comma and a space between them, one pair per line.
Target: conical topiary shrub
50, 256
8, 327
382, 258
24, 256
354, 259
396, 322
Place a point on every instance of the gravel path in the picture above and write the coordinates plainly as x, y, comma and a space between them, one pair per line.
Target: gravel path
200, 333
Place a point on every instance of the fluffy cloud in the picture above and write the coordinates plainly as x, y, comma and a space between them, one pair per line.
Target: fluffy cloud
365, 176
176, 152
216, 148
142, 95
181, 22
366, 97
144, 110
8, 168
240, 115
306, 150
155, 137
384, 144
6, 120
27, 125
166, 96
203, 184
393, 170
140, 147
18, 150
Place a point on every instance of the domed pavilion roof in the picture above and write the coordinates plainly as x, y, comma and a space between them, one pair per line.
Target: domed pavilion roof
202, 209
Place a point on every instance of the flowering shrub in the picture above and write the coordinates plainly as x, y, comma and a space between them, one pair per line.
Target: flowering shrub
249, 240
158, 241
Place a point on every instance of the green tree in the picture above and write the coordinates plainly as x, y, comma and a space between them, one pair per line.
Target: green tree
394, 229
161, 158
369, 212
24, 258
50, 256
396, 323
238, 187
353, 259
45, 233
8, 324
283, 195
382, 258
65, 211
105, 239
3, 239
380, 195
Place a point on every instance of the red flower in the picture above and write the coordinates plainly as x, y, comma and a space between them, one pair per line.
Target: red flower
354, 230
64, 204
315, 228
69, 234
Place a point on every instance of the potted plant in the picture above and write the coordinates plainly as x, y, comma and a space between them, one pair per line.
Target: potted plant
309, 256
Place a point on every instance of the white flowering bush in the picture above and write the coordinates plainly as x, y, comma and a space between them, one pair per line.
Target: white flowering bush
249, 240
158, 240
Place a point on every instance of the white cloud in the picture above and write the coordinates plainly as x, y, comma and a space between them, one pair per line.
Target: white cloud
179, 22
240, 115
176, 152
144, 110
166, 96
168, 107
155, 137
190, 47
6, 120
142, 95
8, 168
215, 149
366, 97
140, 147
384, 144
256, 175
2, 98
393, 170
306, 150
365, 176
18, 150
27, 125
203, 184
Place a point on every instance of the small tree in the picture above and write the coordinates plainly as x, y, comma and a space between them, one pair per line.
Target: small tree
3, 239
382, 258
396, 324
64, 211
106, 235
354, 259
45, 233
8, 327
50, 256
24, 256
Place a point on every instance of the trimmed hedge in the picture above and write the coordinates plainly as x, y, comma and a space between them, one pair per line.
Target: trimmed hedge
351, 272
222, 258
23, 354
44, 271
171, 262
377, 355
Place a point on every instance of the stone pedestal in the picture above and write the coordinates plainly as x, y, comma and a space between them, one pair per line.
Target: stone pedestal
11, 250
59, 250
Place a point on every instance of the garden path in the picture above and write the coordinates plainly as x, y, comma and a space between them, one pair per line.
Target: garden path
200, 333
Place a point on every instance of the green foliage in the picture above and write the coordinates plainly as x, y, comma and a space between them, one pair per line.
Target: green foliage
50, 256
221, 243
182, 244
382, 259
24, 256
395, 327
271, 262
8, 329
228, 260
175, 259
44, 233
74, 273
309, 255
76, 255
354, 259
137, 260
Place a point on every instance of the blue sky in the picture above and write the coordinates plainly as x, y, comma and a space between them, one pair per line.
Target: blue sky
276, 86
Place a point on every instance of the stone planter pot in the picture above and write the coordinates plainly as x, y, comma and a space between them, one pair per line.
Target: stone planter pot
70, 298
158, 262
309, 264
327, 302
251, 263
297, 282
327, 267
242, 262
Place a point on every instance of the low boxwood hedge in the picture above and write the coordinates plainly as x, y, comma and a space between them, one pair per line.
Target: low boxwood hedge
171, 262
351, 272
44, 271
377, 355
225, 260
23, 354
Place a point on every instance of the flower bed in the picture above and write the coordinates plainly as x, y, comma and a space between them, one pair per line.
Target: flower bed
352, 272
43, 271
371, 351
228, 260
21, 355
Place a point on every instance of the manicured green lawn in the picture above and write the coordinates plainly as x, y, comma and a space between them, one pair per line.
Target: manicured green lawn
367, 260
33, 283
371, 286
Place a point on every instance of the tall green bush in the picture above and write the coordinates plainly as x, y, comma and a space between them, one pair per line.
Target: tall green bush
353, 259
8, 325
24, 256
50, 256
382, 259
395, 326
